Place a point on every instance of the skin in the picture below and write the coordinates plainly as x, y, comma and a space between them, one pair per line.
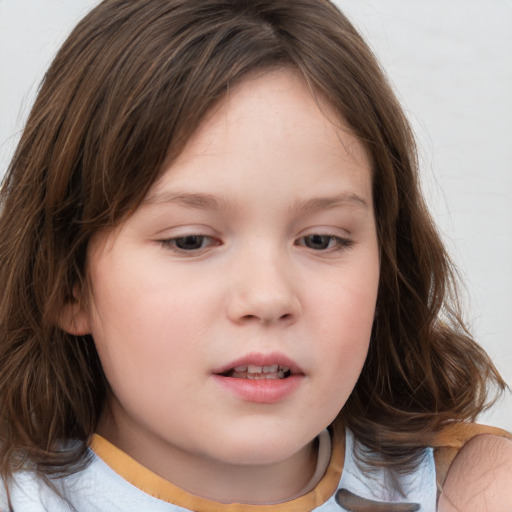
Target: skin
287, 263
480, 477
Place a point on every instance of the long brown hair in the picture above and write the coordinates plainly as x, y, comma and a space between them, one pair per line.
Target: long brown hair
127, 89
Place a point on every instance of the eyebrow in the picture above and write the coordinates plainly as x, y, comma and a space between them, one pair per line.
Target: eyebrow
211, 202
192, 200
328, 202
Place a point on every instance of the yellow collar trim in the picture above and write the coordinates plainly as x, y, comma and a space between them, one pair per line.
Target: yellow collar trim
156, 486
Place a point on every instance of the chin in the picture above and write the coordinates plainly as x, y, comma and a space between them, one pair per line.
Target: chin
257, 448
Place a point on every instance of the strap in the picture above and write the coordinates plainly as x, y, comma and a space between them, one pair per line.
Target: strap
353, 503
450, 440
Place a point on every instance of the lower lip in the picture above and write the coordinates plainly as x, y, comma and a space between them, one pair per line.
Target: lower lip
262, 391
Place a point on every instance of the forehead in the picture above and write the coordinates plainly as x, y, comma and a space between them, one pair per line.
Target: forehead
273, 116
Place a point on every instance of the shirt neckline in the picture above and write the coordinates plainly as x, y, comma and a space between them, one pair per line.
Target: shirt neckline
156, 486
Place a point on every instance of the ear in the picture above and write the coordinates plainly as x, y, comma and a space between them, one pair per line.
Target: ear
73, 317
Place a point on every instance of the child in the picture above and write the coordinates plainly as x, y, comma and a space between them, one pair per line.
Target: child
222, 288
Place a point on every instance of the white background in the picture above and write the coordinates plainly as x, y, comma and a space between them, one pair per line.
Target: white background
450, 62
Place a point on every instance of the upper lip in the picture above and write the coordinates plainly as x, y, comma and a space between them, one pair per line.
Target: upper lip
259, 359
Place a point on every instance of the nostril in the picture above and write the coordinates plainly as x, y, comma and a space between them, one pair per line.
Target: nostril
251, 318
264, 319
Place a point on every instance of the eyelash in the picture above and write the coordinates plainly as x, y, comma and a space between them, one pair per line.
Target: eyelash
339, 243
172, 243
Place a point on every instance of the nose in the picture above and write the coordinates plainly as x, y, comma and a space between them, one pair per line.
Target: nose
264, 291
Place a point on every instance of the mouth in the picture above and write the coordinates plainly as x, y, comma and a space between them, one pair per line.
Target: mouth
255, 372
260, 367
260, 378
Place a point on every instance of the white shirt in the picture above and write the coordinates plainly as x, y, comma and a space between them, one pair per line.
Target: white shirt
113, 482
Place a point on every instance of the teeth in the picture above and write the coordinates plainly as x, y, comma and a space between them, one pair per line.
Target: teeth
255, 372
252, 368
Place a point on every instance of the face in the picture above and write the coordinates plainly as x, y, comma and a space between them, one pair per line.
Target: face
232, 311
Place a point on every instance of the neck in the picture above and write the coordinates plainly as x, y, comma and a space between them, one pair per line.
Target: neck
253, 484
210, 479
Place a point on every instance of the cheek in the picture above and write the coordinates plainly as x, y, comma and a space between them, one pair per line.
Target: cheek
139, 322
347, 306
341, 360
142, 349
347, 341
346, 322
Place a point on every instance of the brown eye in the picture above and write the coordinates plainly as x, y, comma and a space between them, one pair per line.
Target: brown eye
190, 242
319, 242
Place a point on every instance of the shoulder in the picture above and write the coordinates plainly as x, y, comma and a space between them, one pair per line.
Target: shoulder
480, 477
24, 491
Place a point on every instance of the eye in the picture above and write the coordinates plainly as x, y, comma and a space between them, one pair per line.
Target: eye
189, 243
319, 242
